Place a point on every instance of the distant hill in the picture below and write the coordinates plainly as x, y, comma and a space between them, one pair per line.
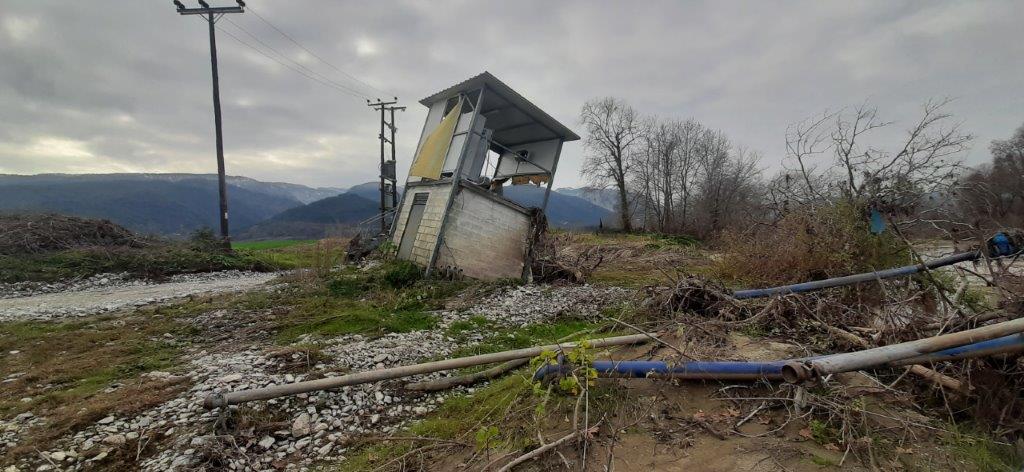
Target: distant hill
606, 198
173, 207
370, 191
564, 211
331, 216
300, 193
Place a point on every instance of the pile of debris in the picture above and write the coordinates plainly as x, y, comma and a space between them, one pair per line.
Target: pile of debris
37, 233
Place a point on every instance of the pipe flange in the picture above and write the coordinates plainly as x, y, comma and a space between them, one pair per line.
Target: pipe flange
797, 372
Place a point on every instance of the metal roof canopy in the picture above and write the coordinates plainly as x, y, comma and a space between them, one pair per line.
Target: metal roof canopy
511, 116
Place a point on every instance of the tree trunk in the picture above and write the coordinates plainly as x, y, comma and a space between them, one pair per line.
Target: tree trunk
627, 224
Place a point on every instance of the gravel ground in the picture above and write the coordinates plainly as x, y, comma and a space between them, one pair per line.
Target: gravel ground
102, 293
312, 427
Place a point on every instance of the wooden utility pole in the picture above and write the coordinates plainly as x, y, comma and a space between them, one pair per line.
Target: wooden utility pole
211, 15
388, 168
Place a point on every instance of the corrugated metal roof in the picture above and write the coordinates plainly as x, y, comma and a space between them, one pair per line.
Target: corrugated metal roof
508, 94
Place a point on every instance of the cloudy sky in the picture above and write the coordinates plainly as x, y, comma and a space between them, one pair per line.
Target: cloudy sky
124, 86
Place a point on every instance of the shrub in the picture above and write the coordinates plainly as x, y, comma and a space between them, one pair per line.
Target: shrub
809, 244
398, 274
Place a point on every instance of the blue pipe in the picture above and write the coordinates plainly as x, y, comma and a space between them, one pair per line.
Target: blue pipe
767, 370
857, 278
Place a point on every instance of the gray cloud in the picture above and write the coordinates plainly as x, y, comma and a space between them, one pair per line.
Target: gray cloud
125, 86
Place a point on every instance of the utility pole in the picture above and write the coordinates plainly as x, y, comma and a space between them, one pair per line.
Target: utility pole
211, 15
388, 173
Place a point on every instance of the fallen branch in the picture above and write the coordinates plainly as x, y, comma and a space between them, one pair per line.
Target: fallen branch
938, 378
468, 379
547, 447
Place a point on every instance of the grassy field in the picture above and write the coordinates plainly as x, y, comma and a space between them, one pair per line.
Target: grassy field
271, 244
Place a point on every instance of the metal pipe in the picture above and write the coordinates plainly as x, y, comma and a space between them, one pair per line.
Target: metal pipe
851, 361
774, 370
1005, 345
857, 278
233, 398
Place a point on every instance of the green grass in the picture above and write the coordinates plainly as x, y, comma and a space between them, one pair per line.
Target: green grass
272, 244
524, 336
155, 261
391, 298
365, 320
981, 451
458, 418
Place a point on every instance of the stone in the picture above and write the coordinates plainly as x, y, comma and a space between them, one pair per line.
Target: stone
115, 440
107, 420
232, 378
58, 456
266, 442
300, 427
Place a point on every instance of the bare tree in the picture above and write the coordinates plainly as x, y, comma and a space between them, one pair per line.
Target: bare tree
923, 164
993, 195
729, 182
657, 170
613, 129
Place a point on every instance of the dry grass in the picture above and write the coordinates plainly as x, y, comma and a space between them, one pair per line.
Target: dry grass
67, 368
807, 244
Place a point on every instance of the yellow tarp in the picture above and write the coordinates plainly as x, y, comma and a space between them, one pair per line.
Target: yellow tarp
430, 159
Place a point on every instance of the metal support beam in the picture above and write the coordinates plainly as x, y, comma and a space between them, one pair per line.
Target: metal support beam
551, 175
456, 177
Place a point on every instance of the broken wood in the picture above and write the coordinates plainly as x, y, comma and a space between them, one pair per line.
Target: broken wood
547, 447
939, 379
468, 379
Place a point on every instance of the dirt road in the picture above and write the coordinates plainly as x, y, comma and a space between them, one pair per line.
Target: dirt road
122, 294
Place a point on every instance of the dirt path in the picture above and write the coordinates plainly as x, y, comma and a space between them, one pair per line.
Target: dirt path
98, 299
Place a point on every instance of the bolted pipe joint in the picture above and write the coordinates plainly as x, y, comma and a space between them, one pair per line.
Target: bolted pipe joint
797, 372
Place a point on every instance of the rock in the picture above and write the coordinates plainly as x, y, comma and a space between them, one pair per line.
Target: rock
232, 378
99, 457
58, 456
266, 442
374, 419
300, 427
107, 420
115, 440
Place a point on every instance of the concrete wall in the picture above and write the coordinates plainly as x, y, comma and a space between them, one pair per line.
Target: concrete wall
429, 225
485, 238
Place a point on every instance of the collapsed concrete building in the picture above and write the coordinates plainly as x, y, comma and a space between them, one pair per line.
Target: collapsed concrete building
479, 135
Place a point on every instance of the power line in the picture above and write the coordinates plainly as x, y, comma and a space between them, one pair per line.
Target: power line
296, 63
304, 48
290, 67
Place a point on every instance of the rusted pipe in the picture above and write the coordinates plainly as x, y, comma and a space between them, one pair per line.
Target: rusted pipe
798, 371
266, 393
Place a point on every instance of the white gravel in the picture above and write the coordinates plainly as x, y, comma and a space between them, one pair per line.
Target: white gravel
315, 427
113, 291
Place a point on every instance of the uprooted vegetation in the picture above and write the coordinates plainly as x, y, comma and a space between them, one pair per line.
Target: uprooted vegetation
48, 248
961, 415
807, 244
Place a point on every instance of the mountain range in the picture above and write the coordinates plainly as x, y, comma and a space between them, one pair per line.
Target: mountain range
177, 204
